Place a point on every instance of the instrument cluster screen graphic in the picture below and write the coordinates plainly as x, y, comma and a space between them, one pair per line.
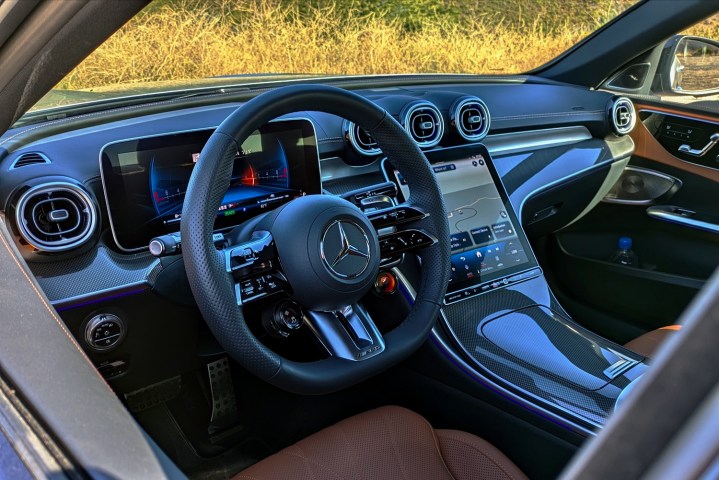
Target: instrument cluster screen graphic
146, 179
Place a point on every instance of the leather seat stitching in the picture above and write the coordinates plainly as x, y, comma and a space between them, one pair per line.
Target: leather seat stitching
394, 444
439, 450
309, 461
51, 310
350, 450
483, 453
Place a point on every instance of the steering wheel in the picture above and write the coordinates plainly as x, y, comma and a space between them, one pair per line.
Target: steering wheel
326, 249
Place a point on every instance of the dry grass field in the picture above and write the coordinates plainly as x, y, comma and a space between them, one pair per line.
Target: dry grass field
181, 39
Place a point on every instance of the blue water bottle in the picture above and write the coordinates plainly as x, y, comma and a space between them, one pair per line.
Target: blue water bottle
625, 255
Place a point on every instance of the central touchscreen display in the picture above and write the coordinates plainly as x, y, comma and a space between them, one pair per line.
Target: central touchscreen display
483, 237
486, 244
146, 179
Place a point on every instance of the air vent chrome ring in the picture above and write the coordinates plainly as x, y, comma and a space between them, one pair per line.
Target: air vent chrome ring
361, 141
424, 122
623, 116
56, 216
471, 118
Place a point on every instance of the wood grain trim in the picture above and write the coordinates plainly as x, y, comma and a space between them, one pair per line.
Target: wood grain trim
646, 146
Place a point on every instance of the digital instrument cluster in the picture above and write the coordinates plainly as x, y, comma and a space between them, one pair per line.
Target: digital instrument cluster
146, 179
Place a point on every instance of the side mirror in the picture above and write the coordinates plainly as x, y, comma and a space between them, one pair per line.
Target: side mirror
688, 66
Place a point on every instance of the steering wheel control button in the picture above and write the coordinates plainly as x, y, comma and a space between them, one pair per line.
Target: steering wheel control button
260, 286
258, 251
104, 332
385, 284
165, 245
282, 319
395, 216
345, 249
171, 244
404, 241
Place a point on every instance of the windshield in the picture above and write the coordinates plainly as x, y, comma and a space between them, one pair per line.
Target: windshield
177, 42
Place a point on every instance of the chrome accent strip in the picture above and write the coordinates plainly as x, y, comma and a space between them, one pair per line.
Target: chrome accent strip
519, 142
13, 165
350, 128
457, 118
331, 330
713, 140
418, 105
623, 102
102, 174
490, 383
681, 216
57, 245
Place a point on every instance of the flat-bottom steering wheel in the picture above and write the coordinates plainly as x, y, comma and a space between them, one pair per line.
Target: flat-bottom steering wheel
327, 249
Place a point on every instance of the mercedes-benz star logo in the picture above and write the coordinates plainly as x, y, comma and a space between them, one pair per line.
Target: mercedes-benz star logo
345, 249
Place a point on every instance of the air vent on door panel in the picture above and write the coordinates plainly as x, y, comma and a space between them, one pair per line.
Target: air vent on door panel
424, 123
471, 118
54, 217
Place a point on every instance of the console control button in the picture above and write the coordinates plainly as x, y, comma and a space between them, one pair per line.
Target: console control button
104, 332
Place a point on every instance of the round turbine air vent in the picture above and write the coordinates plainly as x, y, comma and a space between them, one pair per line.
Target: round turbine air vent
361, 141
623, 116
54, 217
424, 123
470, 116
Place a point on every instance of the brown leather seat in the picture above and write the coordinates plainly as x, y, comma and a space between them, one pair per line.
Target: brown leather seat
648, 343
386, 443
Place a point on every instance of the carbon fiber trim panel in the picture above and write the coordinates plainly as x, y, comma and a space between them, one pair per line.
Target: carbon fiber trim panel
546, 357
98, 270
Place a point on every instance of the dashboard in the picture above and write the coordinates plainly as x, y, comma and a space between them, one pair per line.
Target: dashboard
516, 159
95, 192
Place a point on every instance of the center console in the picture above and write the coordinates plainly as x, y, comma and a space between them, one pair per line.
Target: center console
500, 315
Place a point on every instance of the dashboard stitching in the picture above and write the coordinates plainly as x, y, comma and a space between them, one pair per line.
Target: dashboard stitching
50, 309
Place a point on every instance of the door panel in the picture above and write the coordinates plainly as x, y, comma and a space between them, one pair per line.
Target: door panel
621, 302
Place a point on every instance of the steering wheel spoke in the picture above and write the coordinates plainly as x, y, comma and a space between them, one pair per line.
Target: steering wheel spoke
349, 333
